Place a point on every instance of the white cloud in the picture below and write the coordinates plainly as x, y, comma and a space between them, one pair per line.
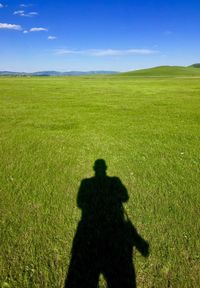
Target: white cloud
10, 26
1, 5
25, 31
18, 12
23, 14
33, 13
107, 52
52, 37
38, 29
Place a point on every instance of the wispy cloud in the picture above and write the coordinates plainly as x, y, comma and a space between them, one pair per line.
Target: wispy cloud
52, 37
25, 31
112, 52
168, 32
107, 52
22, 13
66, 51
38, 29
25, 5
10, 26
1, 5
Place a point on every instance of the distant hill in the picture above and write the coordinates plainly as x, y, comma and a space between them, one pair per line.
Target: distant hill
160, 71
56, 73
165, 71
71, 73
196, 65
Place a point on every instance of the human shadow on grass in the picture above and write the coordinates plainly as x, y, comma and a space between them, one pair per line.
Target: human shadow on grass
105, 236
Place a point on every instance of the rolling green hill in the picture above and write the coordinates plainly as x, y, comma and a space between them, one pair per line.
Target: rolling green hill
165, 71
196, 65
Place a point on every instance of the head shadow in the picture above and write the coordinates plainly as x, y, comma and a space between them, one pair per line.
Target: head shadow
100, 168
105, 237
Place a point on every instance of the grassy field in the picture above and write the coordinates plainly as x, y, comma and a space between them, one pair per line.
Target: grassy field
52, 131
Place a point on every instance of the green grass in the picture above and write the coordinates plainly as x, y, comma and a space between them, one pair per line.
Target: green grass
165, 71
52, 131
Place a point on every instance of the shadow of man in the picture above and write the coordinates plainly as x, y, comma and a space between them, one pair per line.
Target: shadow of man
105, 237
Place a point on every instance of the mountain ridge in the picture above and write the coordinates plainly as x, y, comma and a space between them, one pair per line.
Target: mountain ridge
192, 70
56, 73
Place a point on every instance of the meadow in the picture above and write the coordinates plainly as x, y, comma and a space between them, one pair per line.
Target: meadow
52, 131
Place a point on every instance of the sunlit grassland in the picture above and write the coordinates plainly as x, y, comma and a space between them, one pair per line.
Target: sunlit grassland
52, 131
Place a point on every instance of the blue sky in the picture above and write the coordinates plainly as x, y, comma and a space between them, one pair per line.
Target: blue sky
118, 35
